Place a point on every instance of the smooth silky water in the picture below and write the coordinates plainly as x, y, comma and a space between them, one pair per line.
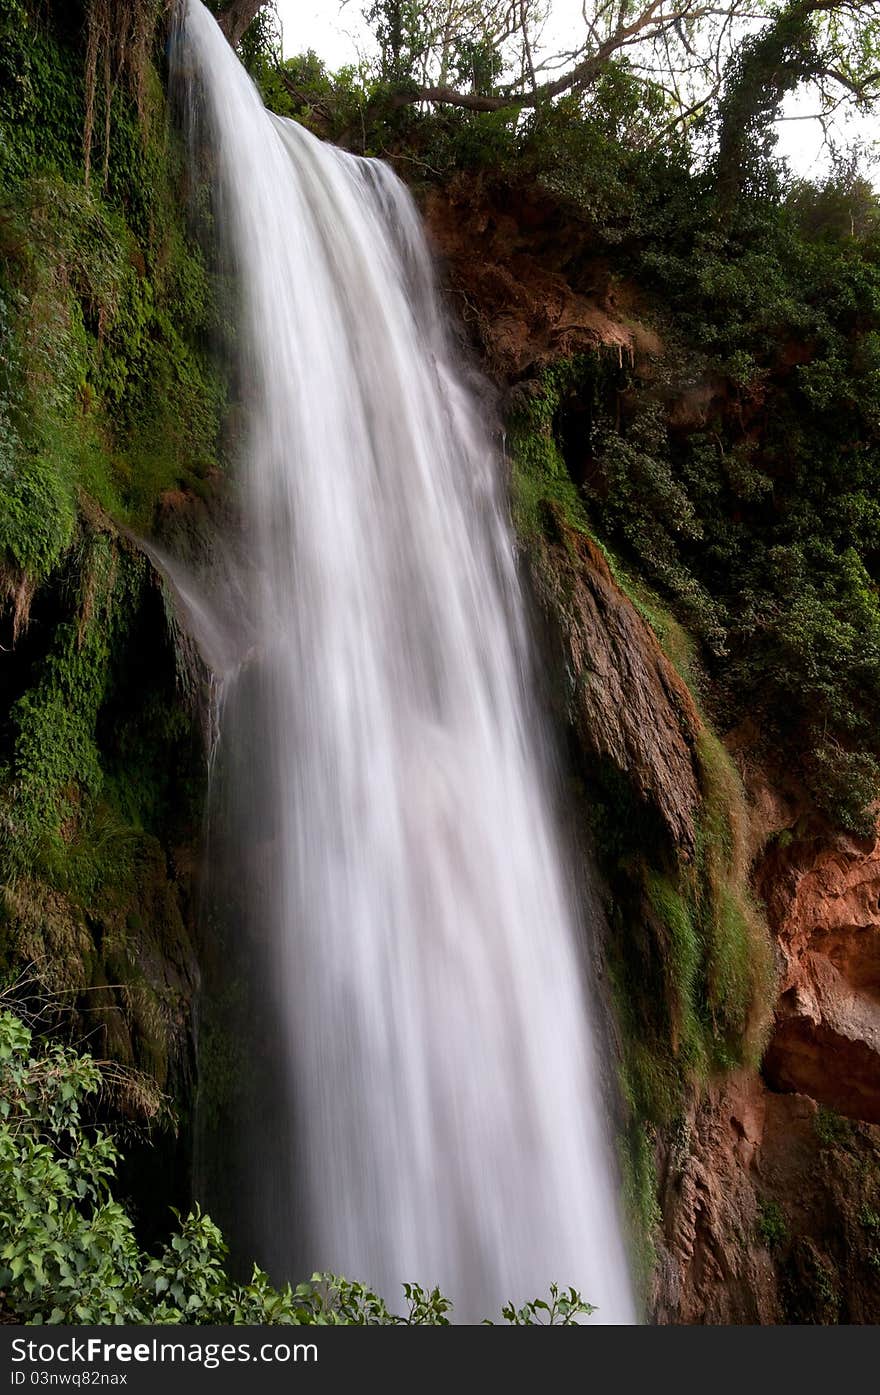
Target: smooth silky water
424, 1093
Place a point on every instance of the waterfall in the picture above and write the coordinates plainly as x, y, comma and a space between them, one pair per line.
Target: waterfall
426, 1092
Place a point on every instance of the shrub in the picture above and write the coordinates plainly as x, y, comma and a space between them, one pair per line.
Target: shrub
69, 1252
772, 1227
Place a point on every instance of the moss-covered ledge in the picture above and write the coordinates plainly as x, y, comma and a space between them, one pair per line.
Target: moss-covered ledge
112, 401
688, 953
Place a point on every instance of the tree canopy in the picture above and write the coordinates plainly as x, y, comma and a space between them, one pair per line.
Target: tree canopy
495, 55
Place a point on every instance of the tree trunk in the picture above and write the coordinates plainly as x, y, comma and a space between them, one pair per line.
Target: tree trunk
235, 17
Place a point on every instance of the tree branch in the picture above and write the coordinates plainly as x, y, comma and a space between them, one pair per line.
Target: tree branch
656, 21
859, 89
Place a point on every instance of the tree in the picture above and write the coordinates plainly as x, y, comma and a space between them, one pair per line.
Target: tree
830, 45
236, 16
490, 55
465, 44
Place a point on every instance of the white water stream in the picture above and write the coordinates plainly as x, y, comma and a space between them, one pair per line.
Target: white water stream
436, 1097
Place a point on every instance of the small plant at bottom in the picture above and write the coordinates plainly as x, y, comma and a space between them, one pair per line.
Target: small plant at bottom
563, 1310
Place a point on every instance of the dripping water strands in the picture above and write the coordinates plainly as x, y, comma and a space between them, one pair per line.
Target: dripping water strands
211, 638
403, 1080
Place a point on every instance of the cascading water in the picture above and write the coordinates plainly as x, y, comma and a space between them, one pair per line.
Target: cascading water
432, 1105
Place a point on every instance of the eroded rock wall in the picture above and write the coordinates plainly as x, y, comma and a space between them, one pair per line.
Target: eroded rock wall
767, 1175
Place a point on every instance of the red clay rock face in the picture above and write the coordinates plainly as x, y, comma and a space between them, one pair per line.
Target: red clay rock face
823, 898
515, 296
771, 1199
770, 1203
708, 1194
769, 1215
836, 1067
630, 706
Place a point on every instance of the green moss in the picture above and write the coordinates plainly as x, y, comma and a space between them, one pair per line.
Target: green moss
99, 736
37, 512
693, 976
689, 958
683, 965
110, 394
641, 1209
539, 475
832, 1130
109, 383
56, 765
88, 903
41, 114
740, 973
771, 1227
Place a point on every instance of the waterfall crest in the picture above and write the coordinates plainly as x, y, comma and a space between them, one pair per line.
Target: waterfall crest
434, 1101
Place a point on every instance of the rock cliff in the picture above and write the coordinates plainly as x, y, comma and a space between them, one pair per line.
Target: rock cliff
767, 1171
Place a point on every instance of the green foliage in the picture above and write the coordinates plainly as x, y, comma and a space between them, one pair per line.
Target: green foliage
690, 962
38, 511
832, 1130
772, 1227
597, 156
399, 29
561, 1309
735, 471
476, 64
738, 474
809, 1287
69, 1253
63, 767
107, 386
101, 761
260, 46
765, 67
56, 760
688, 955
301, 86
41, 115
341, 106
596, 153
689, 959
539, 476
111, 394
641, 1208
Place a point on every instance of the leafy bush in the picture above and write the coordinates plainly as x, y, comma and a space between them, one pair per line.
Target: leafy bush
772, 1227
69, 1252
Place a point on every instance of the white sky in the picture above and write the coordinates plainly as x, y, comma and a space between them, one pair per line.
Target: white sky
334, 32
338, 34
